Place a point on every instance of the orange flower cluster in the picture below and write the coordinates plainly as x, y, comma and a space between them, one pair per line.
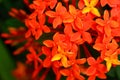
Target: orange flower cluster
62, 35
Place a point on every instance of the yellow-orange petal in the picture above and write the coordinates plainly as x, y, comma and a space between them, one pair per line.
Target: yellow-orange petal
56, 57
108, 64
64, 61
86, 10
95, 12
86, 2
93, 2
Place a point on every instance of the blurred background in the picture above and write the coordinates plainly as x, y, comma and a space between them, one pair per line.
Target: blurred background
7, 59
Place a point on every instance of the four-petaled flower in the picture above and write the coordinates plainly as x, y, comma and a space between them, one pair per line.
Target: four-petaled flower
60, 15
106, 25
112, 60
74, 71
96, 69
90, 7
33, 57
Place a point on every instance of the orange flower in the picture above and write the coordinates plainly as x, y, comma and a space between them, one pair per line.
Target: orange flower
33, 57
77, 23
96, 69
61, 15
36, 28
106, 25
74, 71
106, 49
82, 23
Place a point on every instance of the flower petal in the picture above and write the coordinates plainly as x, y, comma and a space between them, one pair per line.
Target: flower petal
103, 2
67, 18
91, 61
108, 64
65, 72
46, 29
81, 61
92, 77
95, 12
72, 10
91, 70
114, 24
106, 15
50, 14
81, 4
86, 10
64, 61
56, 57
75, 36
107, 30
47, 62
98, 46
100, 22
86, 2
60, 8
102, 76
48, 43
57, 21
87, 37
38, 34
94, 2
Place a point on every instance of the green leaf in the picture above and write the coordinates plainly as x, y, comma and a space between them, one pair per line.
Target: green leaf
118, 72
7, 64
0, 1
7, 4
111, 73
